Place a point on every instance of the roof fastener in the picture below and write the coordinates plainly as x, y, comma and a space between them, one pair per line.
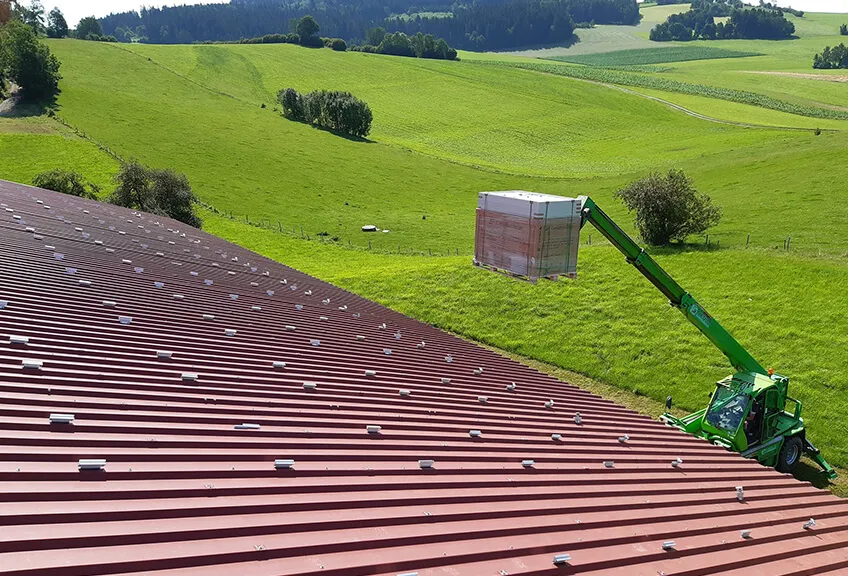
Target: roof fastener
746, 534
370, 372
562, 559
19, 340
91, 464
189, 376
482, 399
373, 429
556, 437
278, 364
61, 418
549, 404
283, 464
668, 545
246, 426
426, 463
577, 418
623, 439
475, 433
740, 493
810, 525
609, 464
125, 319
164, 354
404, 392
310, 385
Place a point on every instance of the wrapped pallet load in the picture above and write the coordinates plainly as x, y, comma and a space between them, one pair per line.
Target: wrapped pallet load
527, 234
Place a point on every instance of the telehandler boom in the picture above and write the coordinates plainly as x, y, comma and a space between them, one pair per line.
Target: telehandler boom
747, 412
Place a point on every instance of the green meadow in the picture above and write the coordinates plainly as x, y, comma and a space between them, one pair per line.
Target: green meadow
443, 131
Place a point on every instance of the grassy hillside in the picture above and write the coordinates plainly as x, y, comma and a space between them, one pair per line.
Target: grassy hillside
446, 130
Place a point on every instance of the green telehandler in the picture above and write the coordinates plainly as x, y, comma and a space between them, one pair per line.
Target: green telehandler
747, 412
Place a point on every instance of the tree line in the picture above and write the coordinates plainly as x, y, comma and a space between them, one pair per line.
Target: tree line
379, 41
699, 23
477, 25
337, 111
836, 57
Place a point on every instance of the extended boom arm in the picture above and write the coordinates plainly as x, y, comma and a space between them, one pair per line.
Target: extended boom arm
741, 360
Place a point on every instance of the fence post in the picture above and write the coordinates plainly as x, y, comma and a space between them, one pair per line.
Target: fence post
430, 251
788, 242
369, 244
747, 240
280, 224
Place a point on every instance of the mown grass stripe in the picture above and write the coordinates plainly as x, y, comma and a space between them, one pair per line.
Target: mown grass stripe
641, 56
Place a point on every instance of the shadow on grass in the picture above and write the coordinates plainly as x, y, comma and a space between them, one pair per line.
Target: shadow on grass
684, 248
564, 44
810, 472
18, 106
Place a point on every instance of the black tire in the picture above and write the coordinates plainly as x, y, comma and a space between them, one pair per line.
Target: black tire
790, 454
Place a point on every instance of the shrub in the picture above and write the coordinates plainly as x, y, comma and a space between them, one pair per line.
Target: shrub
843, 29
338, 44
162, 192
292, 103
338, 111
28, 62
668, 208
66, 182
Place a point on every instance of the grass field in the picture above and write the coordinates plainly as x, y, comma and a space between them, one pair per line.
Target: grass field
641, 56
444, 131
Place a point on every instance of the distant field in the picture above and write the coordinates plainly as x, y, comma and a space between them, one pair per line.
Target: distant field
642, 56
605, 38
664, 83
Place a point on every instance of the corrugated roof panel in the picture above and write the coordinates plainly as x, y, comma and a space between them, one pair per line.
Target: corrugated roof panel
187, 489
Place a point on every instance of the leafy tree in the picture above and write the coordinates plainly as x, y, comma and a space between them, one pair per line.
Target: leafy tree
32, 16
28, 62
836, 57
338, 111
668, 208
88, 25
162, 192
374, 36
292, 104
307, 27
57, 26
67, 182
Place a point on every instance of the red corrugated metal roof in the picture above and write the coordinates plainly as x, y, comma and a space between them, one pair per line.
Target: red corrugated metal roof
186, 492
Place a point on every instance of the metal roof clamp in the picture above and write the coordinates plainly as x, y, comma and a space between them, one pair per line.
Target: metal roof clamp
483, 399
164, 354
373, 429
511, 386
284, 464
528, 463
478, 371
420, 344
740, 493
189, 377
387, 351
448, 358
445, 380
18, 340
561, 559
578, 419
556, 437
91, 464
426, 464
404, 392
624, 439
475, 433
278, 364
247, 426
381, 326
370, 372
549, 404
810, 525
609, 464
61, 418
310, 386
676, 462
668, 545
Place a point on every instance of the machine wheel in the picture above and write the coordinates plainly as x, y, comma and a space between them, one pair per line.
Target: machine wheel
790, 454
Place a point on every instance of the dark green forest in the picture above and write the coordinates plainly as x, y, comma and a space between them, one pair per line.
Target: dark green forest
478, 25
764, 23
